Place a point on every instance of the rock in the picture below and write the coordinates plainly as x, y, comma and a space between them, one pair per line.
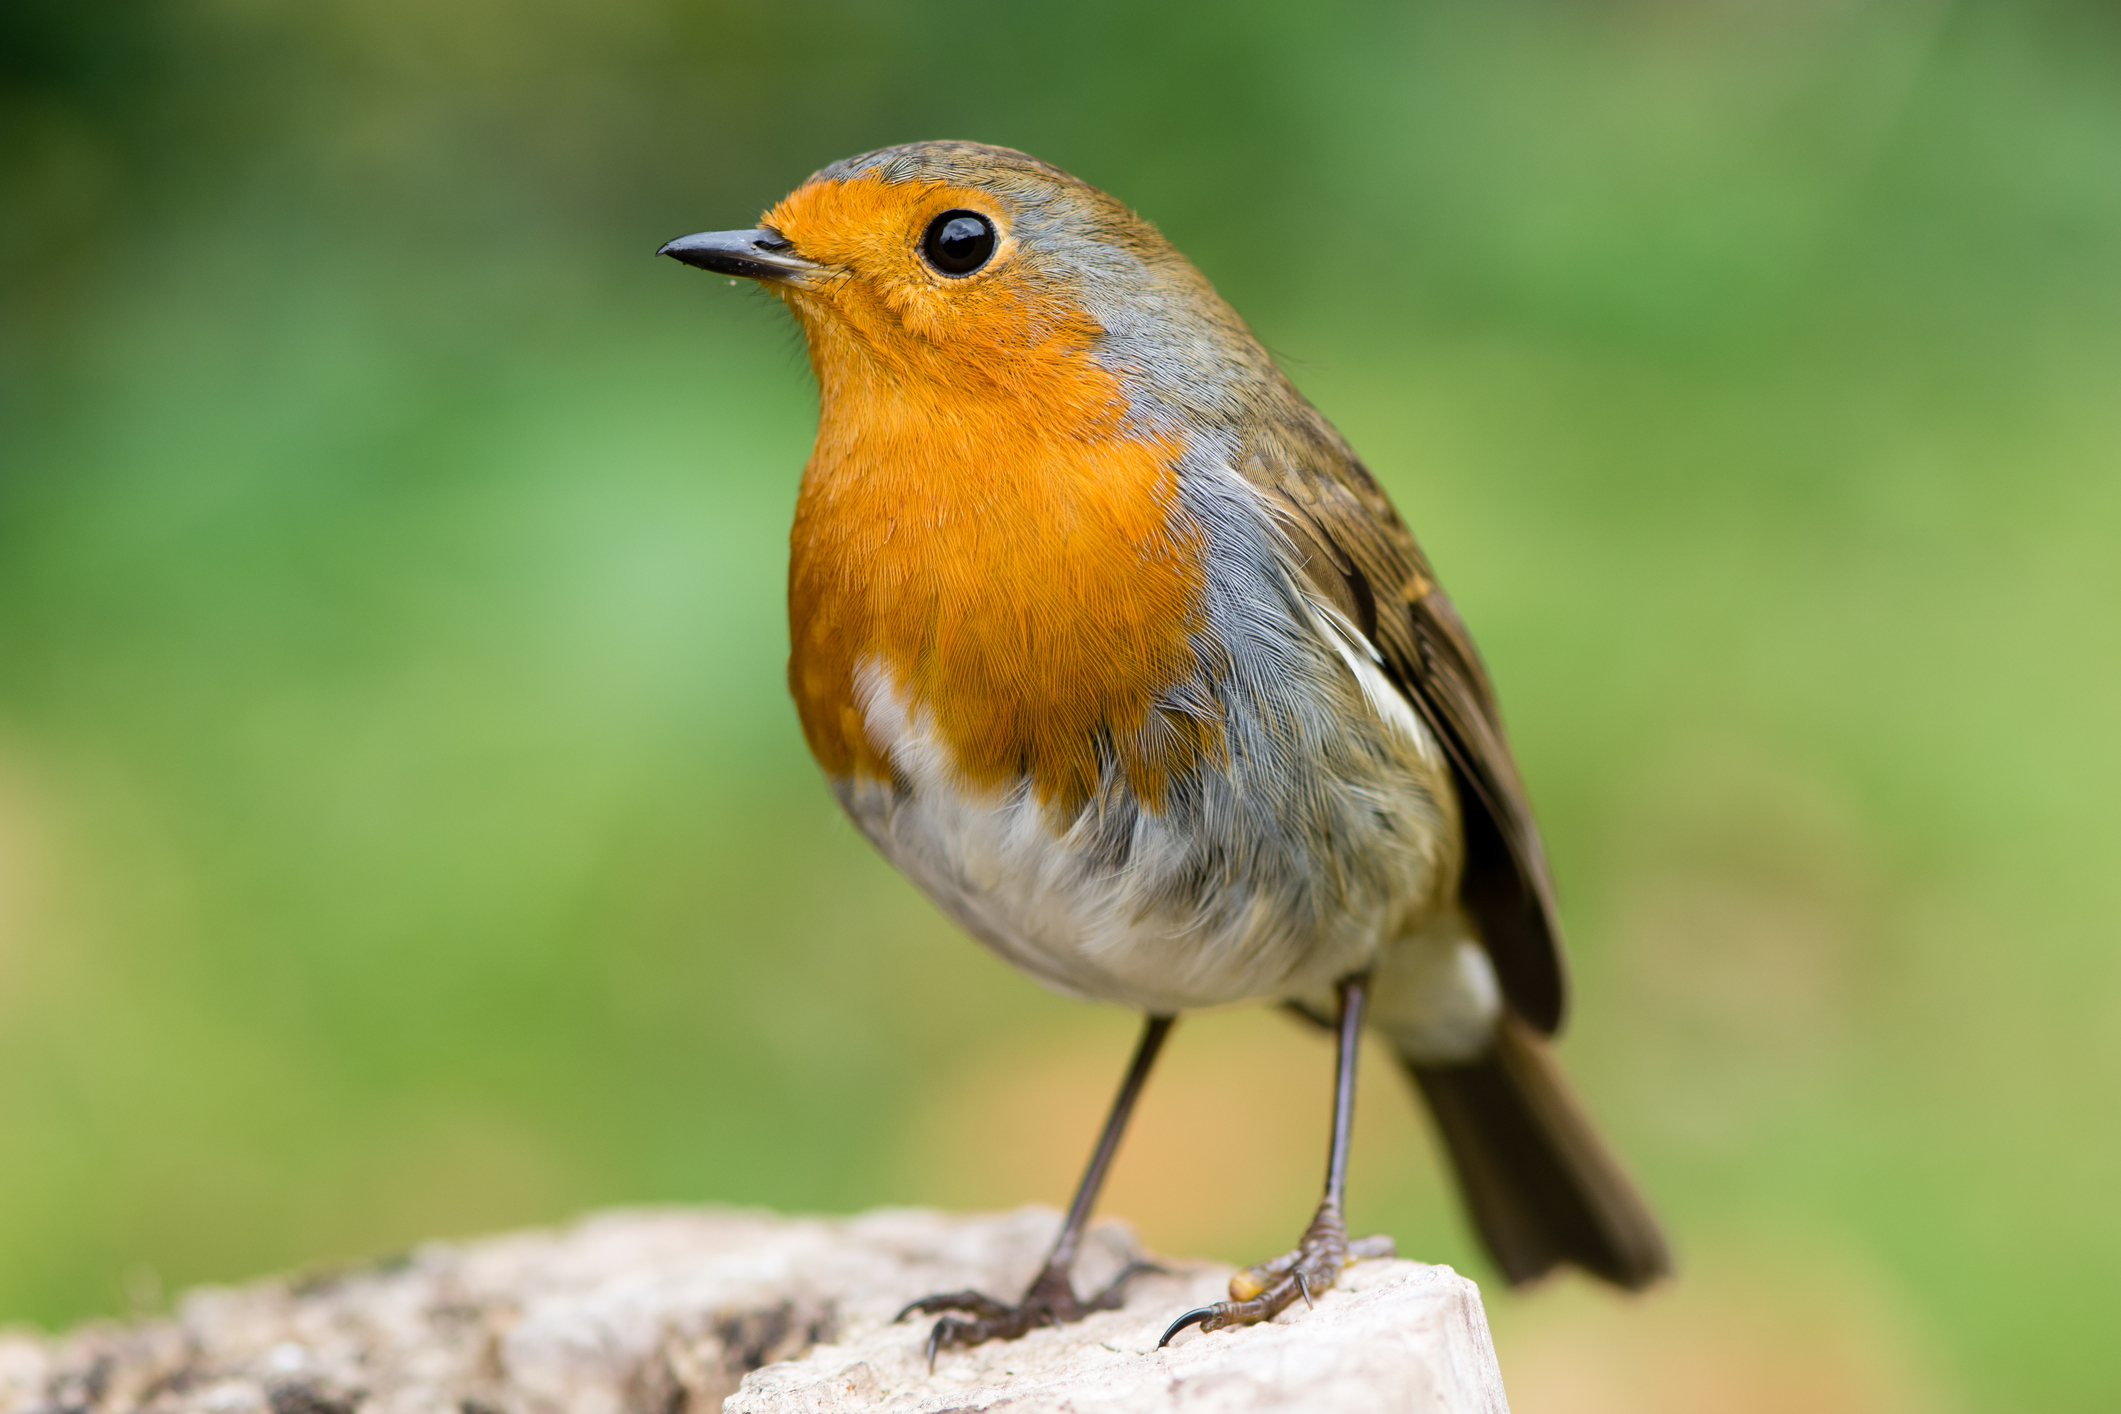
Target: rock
674, 1311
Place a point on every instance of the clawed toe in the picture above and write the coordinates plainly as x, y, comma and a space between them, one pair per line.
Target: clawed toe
1263, 1292
975, 1303
949, 1331
1051, 1301
1198, 1316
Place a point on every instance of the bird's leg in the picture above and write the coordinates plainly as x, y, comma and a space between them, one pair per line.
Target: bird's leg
1263, 1292
1051, 1300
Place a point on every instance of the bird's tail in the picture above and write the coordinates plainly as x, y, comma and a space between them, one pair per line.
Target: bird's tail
1540, 1185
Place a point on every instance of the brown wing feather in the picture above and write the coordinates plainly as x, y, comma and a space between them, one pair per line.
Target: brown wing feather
1361, 557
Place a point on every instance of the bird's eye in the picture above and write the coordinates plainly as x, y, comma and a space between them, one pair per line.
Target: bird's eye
958, 242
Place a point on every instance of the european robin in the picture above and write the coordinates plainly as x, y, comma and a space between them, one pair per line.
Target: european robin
1106, 639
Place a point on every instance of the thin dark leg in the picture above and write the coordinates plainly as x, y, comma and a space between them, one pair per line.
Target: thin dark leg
1260, 1293
1353, 996
1154, 1030
1051, 1298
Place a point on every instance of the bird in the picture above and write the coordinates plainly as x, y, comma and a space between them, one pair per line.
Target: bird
1107, 640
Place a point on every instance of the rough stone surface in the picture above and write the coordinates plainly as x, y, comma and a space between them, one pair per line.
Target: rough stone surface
674, 1311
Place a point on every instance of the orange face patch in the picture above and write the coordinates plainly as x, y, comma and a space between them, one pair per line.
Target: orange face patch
887, 294
976, 516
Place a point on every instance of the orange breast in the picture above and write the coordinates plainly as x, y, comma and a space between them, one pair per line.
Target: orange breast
994, 536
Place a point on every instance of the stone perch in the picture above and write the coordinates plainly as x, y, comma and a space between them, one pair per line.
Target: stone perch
682, 1311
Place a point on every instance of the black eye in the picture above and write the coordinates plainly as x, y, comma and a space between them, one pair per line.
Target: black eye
958, 242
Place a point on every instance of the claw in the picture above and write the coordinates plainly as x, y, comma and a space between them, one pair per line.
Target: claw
1050, 1301
935, 1340
1198, 1316
1262, 1292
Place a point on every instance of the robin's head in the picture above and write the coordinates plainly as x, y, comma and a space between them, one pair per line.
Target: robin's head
989, 270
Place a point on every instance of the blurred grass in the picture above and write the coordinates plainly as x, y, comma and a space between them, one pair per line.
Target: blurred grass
403, 829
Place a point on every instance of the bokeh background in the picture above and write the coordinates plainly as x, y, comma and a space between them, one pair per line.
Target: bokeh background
404, 831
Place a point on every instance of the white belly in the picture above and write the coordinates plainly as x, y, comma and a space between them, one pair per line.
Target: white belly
1271, 875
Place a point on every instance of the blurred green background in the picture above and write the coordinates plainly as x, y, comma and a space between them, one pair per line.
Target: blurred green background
404, 830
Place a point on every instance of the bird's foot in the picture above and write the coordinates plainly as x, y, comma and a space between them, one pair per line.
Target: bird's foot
1263, 1292
1050, 1301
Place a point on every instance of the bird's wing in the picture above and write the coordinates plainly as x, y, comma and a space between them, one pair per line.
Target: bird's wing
1361, 557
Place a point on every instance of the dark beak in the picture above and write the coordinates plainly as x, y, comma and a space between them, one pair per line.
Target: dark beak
763, 254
